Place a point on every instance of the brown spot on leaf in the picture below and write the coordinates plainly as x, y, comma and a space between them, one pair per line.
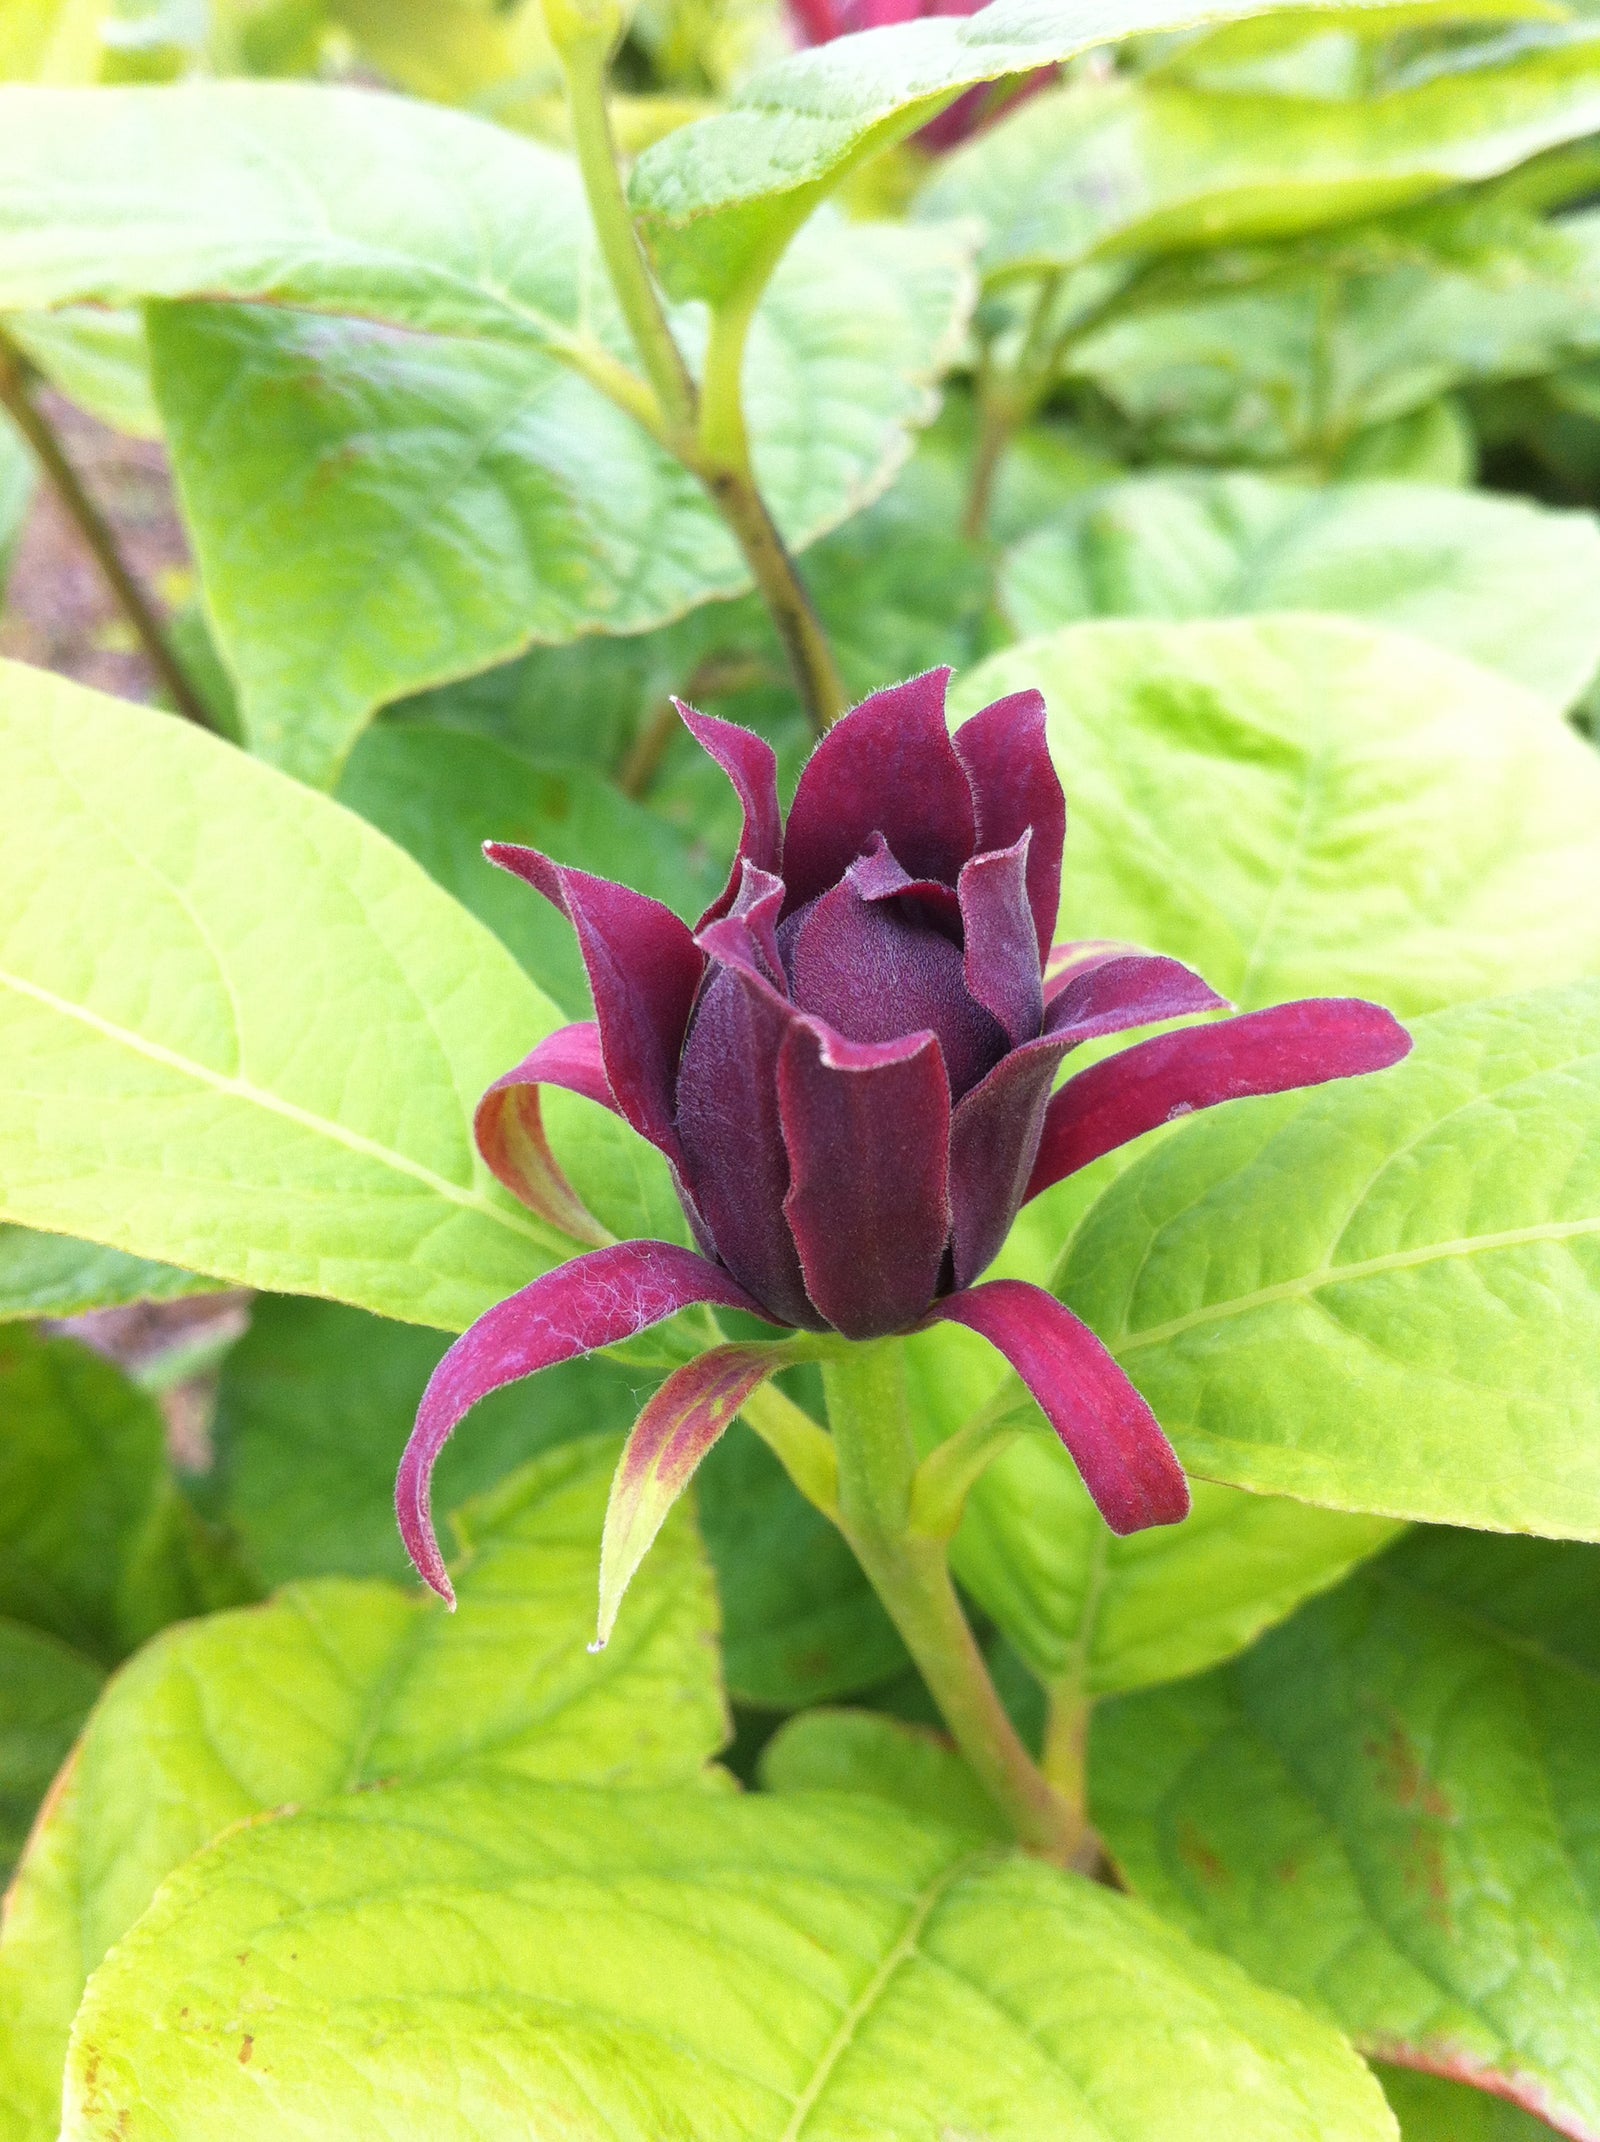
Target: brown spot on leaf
1196, 1853
247, 2046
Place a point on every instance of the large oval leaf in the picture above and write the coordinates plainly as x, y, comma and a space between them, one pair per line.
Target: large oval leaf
1501, 580
337, 1686
1155, 166
717, 199
1303, 807
453, 1961
1383, 1295
243, 1033
1390, 1808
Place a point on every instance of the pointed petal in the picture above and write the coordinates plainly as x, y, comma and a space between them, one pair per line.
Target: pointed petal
668, 1440
509, 1127
876, 875
594, 1301
1002, 951
751, 764
1122, 988
888, 767
644, 971
867, 1126
1015, 787
1113, 1438
735, 1162
994, 1136
1292, 1045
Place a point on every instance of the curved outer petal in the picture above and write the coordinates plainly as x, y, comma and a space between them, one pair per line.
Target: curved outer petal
1015, 787
1113, 1438
1125, 987
1292, 1045
509, 1126
1072, 955
644, 971
678, 1426
594, 1301
1002, 954
996, 1129
867, 1126
751, 764
888, 767
736, 1164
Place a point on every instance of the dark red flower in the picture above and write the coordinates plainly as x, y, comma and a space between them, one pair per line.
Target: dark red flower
849, 1066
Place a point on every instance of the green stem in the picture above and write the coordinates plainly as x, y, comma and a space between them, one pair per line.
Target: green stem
723, 463
96, 531
866, 1390
584, 51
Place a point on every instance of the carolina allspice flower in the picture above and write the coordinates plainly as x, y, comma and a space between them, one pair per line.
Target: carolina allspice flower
848, 1066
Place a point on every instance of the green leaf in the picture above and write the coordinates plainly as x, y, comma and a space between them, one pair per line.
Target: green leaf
1383, 1295
1432, 2109
1315, 350
93, 1545
1100, 1614
46, 1688
1389, 1808
1500, 580
451, 1959
719, 199
339, 200
200, 957
1122, 166
96, 358
1304, 807
801, 1622
912, 1766
440, 793
54, 1276
374, 513
313, 1409
336, 1686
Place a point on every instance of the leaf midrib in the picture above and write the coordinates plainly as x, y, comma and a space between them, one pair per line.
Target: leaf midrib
275, 1104
1309, 1283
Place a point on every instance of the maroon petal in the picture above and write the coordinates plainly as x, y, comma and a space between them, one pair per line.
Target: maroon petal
509, 1126
868, 1132
1122, 987
644, 972
594, 1301
751, 764
994, 1136
735, 1162
673, 1433
1113, 1438
1073, 955
875, 970
1015, 789
1292, 1045
876, 875
1002, 952
888, 767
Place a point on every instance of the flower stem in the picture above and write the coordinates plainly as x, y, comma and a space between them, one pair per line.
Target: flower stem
866, 1391
18, 402
723, 463
584, 48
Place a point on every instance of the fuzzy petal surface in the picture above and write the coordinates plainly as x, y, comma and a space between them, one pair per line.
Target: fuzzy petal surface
1109, 1432
1002, 961
644, 971
751, 764
888, 767
1015, 790
597, 1300
1274, 1051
